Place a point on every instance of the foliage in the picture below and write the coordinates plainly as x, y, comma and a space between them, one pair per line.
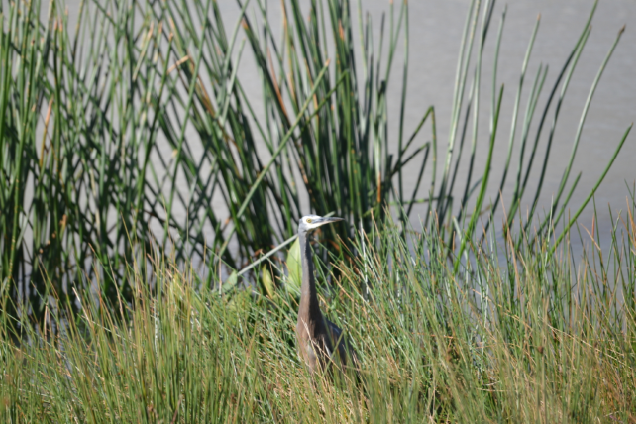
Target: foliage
516, 336
134, 126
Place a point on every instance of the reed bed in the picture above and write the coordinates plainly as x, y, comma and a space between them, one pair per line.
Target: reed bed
121, 136
133, 125
517, 335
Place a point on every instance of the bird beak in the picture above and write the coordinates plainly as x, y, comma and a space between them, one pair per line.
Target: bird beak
329, 220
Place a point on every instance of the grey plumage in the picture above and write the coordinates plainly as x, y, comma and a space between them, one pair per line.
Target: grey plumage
320, 342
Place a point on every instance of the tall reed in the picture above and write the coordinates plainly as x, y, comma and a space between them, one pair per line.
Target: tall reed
134, 125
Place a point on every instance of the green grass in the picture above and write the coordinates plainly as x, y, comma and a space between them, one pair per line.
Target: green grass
539, 337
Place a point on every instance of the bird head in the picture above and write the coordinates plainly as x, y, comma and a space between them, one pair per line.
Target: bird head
311, 222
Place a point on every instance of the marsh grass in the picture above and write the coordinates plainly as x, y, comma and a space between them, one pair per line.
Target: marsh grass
528, 336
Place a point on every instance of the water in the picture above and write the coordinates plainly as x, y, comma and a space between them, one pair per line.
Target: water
435, 37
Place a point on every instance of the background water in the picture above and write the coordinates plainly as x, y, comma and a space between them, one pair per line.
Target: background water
435, 29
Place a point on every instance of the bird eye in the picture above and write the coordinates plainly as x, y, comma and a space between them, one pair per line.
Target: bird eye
308, 220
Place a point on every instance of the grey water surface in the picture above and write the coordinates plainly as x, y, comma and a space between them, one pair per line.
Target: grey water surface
435, 30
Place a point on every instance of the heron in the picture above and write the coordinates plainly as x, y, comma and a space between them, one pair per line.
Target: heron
320, 341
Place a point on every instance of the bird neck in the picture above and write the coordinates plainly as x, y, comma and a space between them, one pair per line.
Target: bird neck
309, 306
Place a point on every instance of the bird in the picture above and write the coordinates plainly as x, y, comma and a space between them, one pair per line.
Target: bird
320, 341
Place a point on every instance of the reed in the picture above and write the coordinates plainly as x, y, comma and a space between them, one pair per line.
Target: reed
134, 125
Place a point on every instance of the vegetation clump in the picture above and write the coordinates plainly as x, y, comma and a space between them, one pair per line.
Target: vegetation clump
516, 336
134, 123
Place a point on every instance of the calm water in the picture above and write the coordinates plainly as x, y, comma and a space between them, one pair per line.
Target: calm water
435, 36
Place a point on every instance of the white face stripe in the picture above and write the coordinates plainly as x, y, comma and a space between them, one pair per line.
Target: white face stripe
312, 221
